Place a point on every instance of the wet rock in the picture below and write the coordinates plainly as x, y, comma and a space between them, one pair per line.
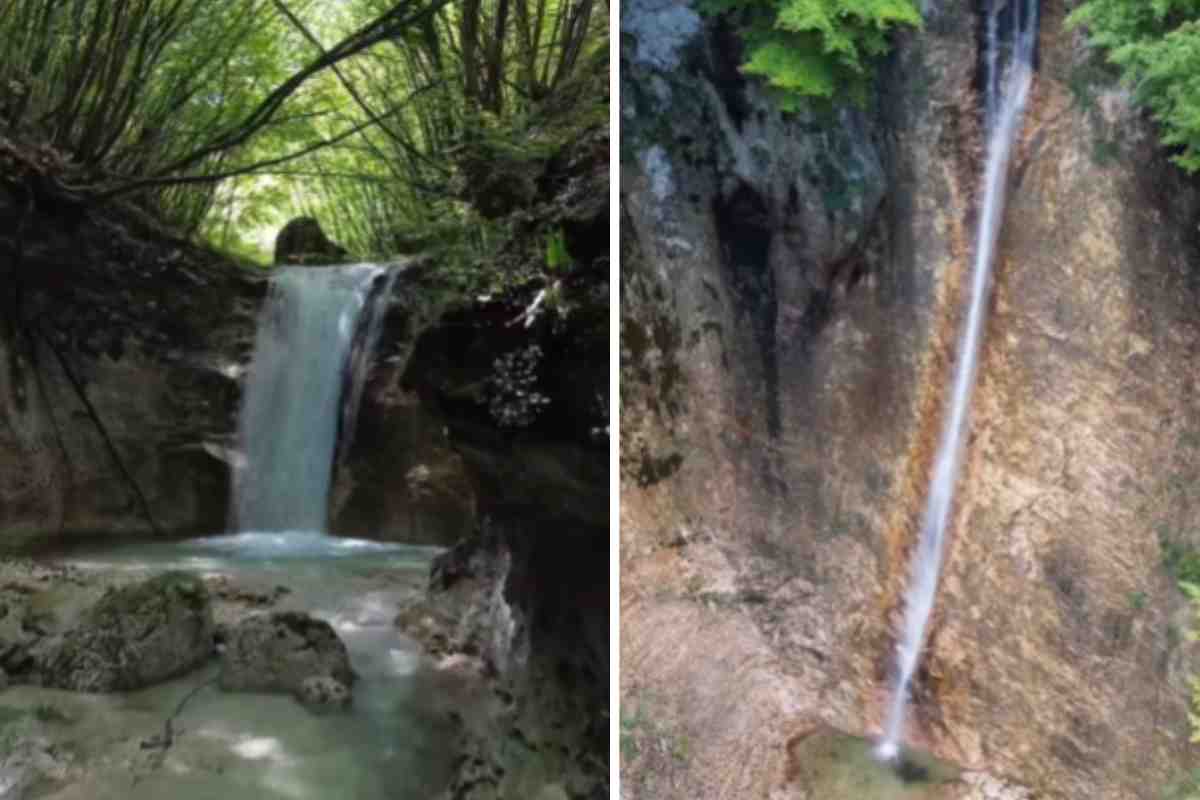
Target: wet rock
660, 31
544, 729
279, 652
27, 762
323, 692
130, 637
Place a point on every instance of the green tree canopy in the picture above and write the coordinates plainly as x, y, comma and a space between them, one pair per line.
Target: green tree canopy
224, 119
1156, 45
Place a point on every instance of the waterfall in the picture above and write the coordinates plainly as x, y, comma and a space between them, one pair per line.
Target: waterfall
1011, 40
308, 336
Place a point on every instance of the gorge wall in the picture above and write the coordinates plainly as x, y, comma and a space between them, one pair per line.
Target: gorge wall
154, 333
791, 295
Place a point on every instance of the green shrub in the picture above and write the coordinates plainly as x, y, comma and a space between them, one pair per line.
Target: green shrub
1156, 46
818, 49
1181, 560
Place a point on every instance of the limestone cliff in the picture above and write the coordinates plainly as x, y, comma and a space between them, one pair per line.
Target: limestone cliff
791, 293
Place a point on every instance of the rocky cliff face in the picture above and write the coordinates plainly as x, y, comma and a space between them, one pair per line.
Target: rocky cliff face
121, 352
792, 290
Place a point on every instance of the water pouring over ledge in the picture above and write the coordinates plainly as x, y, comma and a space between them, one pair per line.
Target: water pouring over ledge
317, 325
1011, 42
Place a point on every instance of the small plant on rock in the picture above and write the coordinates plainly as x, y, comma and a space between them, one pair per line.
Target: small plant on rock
815, 49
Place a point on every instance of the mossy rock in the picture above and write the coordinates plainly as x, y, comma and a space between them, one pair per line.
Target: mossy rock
133, 636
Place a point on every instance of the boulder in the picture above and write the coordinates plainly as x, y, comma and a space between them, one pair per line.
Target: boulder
30, 765
302, 241
323, 692
131, 637
279, 652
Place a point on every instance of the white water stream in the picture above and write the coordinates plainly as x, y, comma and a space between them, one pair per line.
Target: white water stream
1011, 37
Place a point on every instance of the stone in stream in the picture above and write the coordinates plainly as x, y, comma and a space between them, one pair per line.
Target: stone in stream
322, 691
131, 637
285, 652
31, 764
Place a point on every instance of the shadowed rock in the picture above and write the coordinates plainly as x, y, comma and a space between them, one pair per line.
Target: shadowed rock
323, 692
302, 241
280, 652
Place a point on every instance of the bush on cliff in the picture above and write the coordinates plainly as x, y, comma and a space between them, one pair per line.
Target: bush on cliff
1156, 46
815, 49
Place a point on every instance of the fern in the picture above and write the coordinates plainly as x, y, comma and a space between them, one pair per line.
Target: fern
815, 49
1156, 46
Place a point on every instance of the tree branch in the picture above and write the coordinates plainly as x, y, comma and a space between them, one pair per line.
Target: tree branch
179, 180
382, 28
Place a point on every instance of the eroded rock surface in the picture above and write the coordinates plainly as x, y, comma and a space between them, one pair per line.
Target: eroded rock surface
279, 652
92, 638
534, 630
119, 362
133, 636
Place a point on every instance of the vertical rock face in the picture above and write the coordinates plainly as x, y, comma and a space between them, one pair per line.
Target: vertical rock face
787, 334
120, 351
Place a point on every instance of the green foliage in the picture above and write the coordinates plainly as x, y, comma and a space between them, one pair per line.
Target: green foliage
1180, 560
557, 257
1186, 787
1156, 46
1193, 592
1137, 600
645, 737
816, 49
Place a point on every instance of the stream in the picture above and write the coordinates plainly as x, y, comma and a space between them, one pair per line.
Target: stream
395, 741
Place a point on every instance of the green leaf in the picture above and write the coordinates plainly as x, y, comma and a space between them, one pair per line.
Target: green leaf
816, 49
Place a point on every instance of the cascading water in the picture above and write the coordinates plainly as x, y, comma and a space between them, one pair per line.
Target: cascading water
1011, 41
288, 428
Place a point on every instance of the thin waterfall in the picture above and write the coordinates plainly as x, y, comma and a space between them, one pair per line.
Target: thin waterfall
289, 421
1011, 40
